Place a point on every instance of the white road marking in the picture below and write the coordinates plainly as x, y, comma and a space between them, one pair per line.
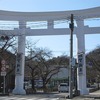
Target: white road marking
26, 98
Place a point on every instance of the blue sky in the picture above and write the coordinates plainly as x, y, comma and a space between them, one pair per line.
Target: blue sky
57, 44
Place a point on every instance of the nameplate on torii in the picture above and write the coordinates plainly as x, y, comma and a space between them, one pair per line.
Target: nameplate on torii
80, 63
18, 63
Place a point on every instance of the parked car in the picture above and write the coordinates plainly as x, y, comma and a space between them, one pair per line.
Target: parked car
63, 87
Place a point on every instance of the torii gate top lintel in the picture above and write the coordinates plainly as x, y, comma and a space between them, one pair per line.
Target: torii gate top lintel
55, 15
49, 17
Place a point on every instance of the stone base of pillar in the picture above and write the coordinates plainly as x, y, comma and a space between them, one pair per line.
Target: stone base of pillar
84, 92
19, 91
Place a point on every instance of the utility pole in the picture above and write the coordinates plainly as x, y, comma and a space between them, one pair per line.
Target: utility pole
71, 26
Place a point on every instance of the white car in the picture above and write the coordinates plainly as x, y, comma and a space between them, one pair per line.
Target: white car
63, 87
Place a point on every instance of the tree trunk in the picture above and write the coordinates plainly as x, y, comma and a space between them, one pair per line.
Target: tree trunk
44, 87
33, 85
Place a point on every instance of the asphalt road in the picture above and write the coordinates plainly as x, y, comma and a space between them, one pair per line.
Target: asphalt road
18, 97
49, 96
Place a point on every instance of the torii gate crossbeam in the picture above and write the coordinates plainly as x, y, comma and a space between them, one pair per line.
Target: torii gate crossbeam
40, 32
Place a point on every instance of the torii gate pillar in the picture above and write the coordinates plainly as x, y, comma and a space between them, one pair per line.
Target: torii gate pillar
81, 73
19, 74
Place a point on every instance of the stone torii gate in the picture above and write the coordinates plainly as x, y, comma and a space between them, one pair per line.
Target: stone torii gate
50, 17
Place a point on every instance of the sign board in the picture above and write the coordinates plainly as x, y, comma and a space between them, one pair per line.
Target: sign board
80, 63
3, 62
18, 63
3, 73
73, 62
7, 66
3, 69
